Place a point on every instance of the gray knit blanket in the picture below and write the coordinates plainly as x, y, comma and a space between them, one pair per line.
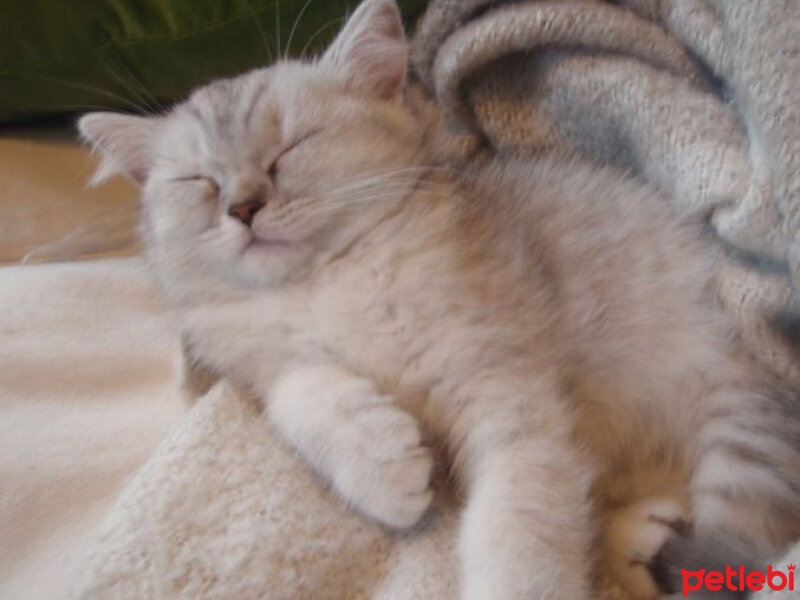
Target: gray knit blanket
699, 97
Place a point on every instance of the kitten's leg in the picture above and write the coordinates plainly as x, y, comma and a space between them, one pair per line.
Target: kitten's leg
642, 502
526, 529
361, 441
745, 488
195, 378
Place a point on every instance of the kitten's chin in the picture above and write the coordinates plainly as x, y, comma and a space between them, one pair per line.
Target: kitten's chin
265, 263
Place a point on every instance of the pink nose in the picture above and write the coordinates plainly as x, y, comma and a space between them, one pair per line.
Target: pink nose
246, 211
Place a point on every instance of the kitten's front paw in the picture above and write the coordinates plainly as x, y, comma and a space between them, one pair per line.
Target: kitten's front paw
384, 470
636, 534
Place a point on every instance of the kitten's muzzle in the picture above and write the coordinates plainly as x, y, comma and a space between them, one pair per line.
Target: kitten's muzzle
246, 211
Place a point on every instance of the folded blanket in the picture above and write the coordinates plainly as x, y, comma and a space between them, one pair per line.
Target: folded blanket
700, 97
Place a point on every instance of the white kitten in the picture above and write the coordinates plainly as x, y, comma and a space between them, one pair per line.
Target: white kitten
549, 322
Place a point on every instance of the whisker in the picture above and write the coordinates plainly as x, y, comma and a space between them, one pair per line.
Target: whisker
312, 211
144, 105
319, 30
277, 6
153, 100
313, 207
110, 231
90, 88
294, 27
262, 33
372, 189
389, 172
386, 177
75, 107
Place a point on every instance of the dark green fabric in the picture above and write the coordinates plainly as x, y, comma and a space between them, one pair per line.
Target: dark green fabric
75, 55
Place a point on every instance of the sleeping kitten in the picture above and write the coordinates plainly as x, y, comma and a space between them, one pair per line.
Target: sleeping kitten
551, 323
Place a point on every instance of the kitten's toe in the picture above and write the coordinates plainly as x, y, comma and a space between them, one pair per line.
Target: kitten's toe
398, 491
389, 474
635, 536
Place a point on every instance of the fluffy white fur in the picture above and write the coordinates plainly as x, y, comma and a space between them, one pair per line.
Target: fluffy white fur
550, 325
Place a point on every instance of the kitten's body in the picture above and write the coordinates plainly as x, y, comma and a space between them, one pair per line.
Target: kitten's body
537, 272
550, 323
470, 295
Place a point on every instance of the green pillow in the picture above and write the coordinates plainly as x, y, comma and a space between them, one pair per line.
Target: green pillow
138, 55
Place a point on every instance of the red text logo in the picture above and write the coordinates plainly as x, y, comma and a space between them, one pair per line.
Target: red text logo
738, 580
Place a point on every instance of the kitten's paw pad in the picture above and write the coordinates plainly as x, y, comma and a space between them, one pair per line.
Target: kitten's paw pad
635, 536
709, 550
389, 470
662, 565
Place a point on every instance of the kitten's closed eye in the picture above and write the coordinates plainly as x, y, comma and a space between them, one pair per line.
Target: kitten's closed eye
272, 169
210, 182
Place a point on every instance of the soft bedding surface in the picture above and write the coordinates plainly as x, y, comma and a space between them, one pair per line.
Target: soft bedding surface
86, 394
698, 96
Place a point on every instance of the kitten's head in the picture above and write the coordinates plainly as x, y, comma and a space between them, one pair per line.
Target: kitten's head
251, 177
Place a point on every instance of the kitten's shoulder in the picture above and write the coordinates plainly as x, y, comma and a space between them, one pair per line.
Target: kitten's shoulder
556, 175
568, 190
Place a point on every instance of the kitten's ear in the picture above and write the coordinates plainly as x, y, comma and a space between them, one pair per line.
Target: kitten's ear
370, 53
124, 143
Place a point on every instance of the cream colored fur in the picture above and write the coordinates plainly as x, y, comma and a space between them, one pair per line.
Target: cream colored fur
549, 326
